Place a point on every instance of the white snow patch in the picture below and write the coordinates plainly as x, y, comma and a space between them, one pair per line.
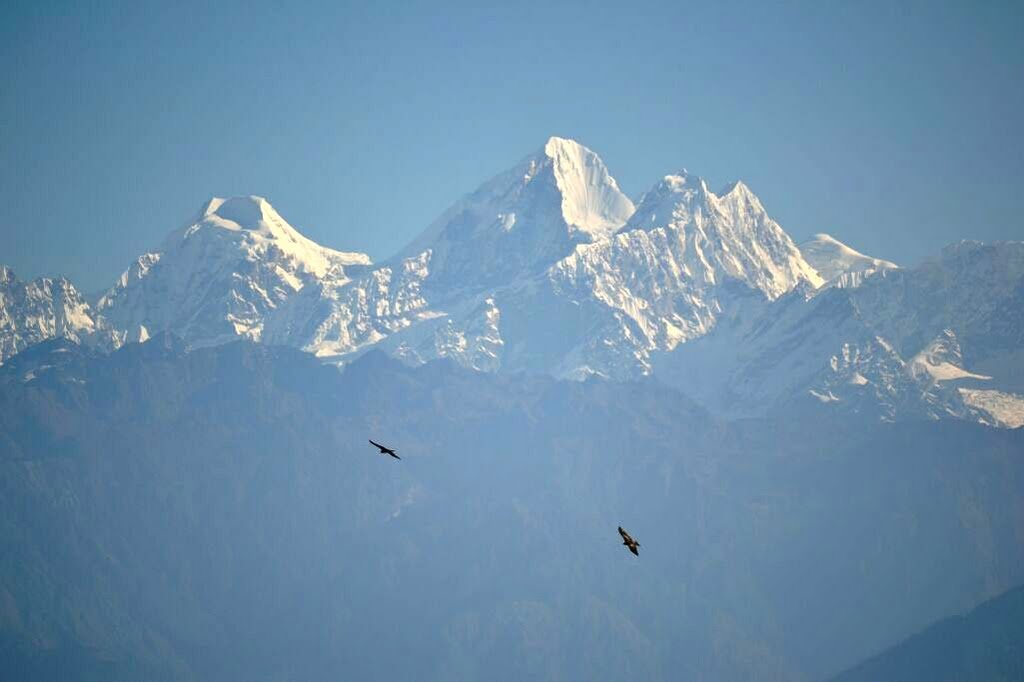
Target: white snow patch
1006, 409
858, 379
945, 371
941, 360
827, 397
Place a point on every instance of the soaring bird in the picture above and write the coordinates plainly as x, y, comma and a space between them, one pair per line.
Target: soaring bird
385, 451
628, 541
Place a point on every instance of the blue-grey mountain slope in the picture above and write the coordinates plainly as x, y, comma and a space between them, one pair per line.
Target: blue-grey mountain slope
217, 514
985, 644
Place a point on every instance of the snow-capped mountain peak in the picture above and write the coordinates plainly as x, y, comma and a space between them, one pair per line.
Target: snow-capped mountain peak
591, 199
675, 197
685, 258
258, 223
525, 219
43, 308
223, 274
739, 199
833, 260
727, 235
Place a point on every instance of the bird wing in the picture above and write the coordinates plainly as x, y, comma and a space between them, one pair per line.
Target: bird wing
392, 453
632, 548
382, 448
625, 535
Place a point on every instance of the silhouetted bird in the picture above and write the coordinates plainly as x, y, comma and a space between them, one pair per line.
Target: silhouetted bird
628, 541
386, 451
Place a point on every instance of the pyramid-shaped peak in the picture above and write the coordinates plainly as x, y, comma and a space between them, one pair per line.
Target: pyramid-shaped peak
737, 188
674, 195
525, 218
591, 199
738, 197
556, 146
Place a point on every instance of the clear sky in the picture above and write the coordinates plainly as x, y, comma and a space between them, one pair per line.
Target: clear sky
897, 127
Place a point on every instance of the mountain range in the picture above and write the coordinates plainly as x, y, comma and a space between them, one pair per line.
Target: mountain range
817, 449
548, 268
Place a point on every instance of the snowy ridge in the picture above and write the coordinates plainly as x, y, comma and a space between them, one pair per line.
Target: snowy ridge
903, 345
723, 236
31, 312
336, 318
837, 263
664, 278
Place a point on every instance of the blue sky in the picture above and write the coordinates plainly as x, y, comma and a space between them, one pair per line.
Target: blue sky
895, 128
